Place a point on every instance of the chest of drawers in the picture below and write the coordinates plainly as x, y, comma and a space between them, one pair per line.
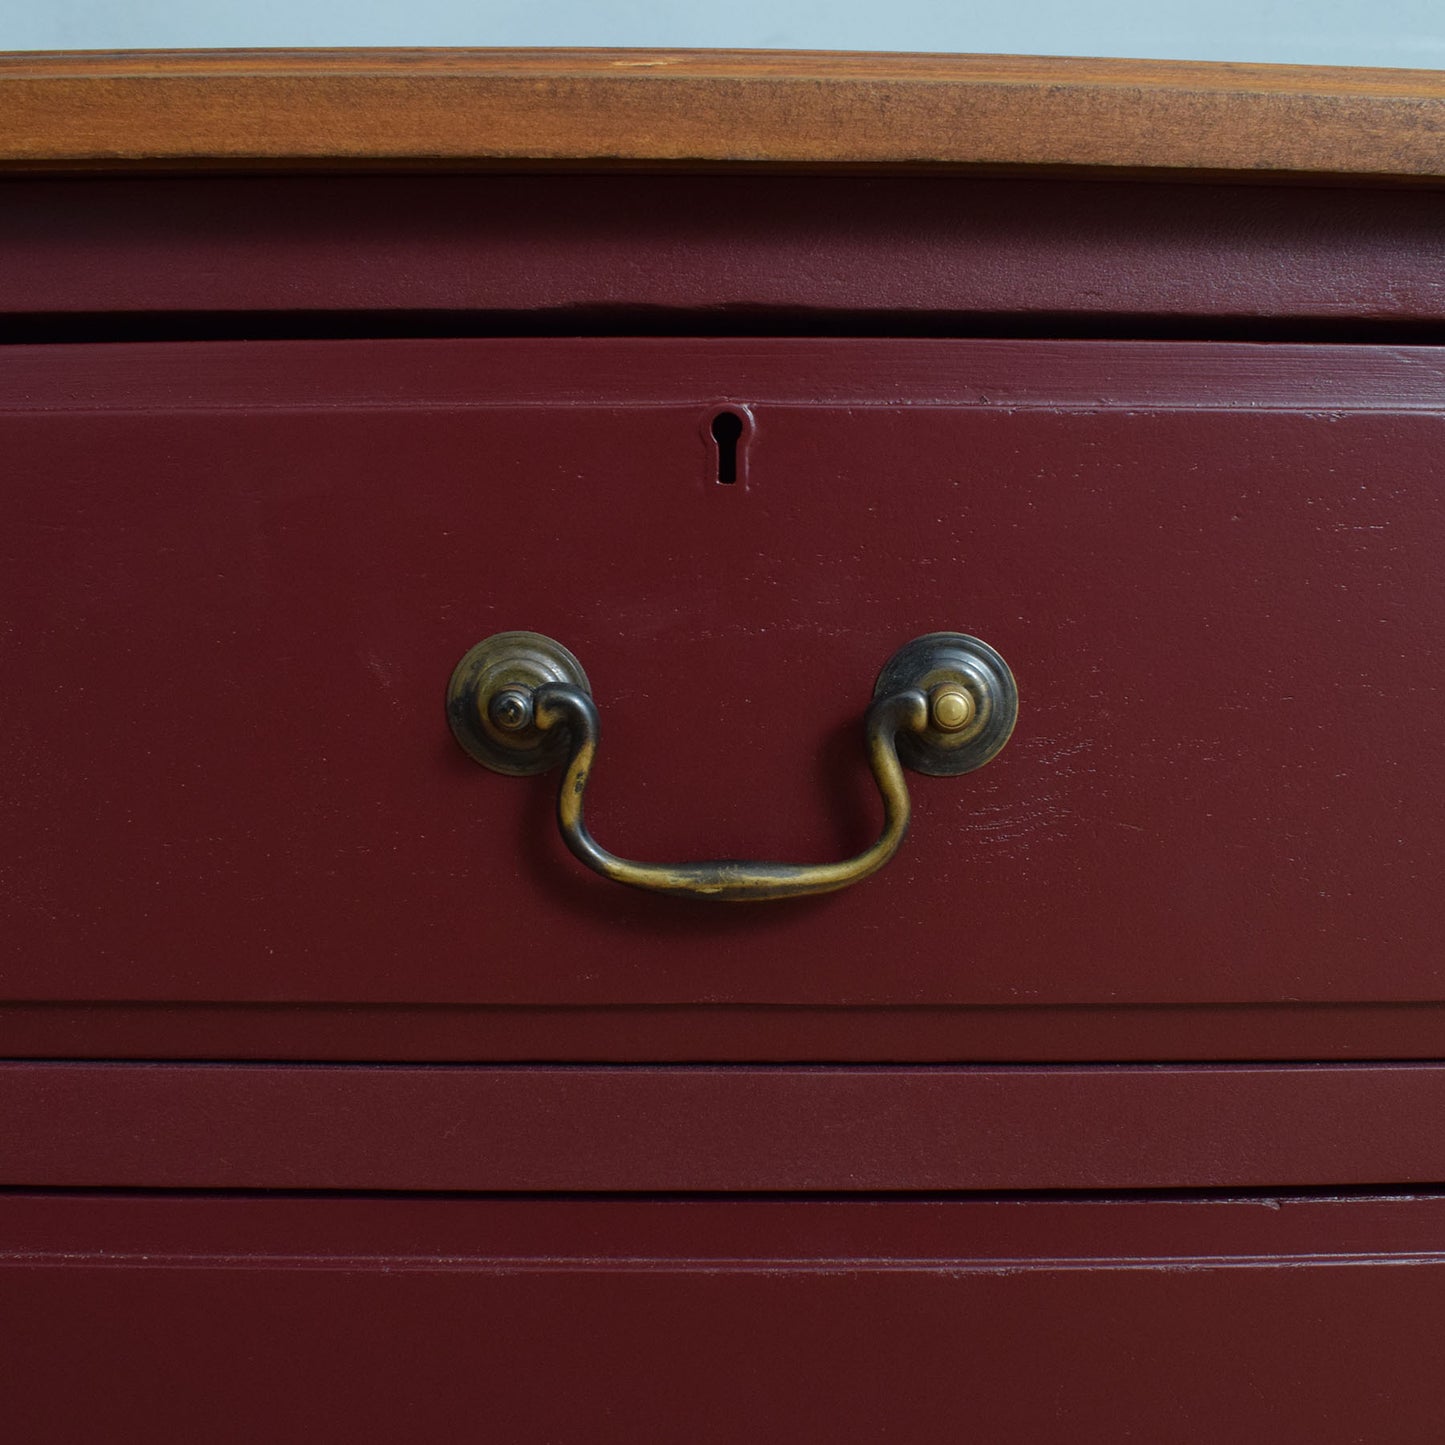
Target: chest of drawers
343, 1103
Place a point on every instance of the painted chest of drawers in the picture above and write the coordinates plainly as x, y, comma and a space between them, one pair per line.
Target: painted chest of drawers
343, 1102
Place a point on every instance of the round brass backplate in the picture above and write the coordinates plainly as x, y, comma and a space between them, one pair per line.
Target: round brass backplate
943, 664
517, 663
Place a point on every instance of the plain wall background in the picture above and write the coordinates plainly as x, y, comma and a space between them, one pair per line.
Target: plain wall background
1310, 32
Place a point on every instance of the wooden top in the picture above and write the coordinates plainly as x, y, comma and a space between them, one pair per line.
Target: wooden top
591, 109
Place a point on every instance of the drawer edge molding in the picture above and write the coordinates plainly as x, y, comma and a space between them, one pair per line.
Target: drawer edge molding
748, 1129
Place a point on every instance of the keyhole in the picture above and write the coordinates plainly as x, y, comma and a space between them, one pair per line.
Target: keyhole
727, 427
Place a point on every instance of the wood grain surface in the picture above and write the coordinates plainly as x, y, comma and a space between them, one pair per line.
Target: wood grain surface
593, 108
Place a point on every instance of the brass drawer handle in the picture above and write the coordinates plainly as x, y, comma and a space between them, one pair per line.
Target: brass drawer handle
945, 704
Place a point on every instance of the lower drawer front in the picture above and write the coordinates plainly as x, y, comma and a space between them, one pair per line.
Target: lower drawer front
147, 1318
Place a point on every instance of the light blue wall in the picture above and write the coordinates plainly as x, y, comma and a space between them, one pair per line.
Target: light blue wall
1323, 32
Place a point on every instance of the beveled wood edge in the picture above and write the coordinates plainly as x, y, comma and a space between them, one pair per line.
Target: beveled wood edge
595, 109
440, 373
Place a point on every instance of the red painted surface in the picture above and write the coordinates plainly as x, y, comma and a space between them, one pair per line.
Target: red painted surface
1299, 1322
129, 1231
694, 1033
727, 1129
1213, 569
236, 577
730, 250
234, 580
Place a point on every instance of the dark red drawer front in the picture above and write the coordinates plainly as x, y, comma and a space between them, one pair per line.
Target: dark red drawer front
237, 577
1295, 1322
727, 1129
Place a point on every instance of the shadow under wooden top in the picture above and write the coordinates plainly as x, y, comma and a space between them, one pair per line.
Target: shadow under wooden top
596, 109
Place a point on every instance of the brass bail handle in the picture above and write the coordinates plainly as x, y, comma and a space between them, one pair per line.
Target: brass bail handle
944, 704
